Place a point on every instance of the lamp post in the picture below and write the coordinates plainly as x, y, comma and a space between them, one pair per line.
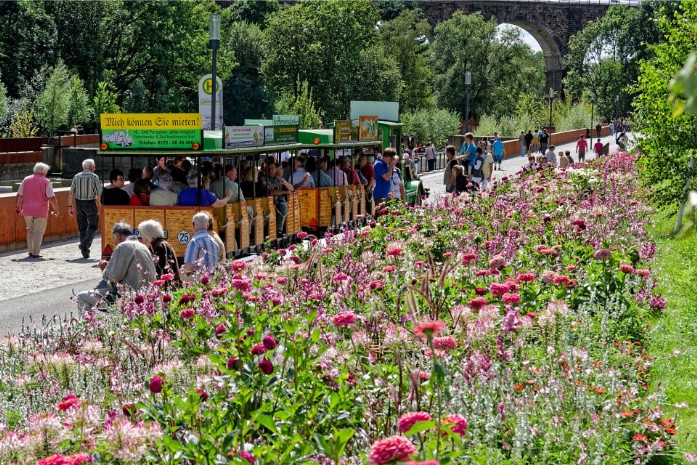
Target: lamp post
214, 43
468, 84
551, 96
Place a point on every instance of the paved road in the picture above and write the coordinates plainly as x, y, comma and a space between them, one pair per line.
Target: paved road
510, 166
32, 288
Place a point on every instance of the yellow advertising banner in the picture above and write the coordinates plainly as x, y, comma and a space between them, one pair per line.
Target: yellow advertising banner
111, 121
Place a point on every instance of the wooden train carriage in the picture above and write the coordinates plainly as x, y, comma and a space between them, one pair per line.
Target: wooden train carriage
236, 228
323, 207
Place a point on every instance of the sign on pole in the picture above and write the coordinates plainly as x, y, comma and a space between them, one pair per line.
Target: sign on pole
205, 97
367, 128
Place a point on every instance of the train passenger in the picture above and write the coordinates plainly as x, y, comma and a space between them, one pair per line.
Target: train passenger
141, 193
113, 194
165, 195
351, 174
300, 177
193, 196
337, 176
202, 251
320, 178
366, 170
134, 174
226, 182
165, 257
276, 186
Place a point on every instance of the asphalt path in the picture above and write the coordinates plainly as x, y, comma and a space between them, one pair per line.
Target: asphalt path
36, 290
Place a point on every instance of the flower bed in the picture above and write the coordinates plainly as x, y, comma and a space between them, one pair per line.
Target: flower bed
503, 328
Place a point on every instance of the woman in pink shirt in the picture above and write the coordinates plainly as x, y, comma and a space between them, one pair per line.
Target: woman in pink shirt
34, 196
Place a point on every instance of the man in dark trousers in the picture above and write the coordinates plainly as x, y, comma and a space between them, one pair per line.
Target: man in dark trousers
85, 193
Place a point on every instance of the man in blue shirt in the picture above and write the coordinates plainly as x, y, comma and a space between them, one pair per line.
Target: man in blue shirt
190, 197
383, 169
202, 250
498, 153
470, 150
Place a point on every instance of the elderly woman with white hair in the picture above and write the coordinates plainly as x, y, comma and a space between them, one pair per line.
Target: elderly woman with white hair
165, 195
34, 197
153, 236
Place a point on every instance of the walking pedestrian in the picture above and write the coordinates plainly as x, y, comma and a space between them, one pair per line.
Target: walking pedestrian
528, 141
598, 128
597, 148
34, 197
544, 140
499, 152
431, 156
581, 147
85, 192
451, 163
536, 140
521, 141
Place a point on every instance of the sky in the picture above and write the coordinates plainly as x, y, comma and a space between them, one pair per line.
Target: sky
529, 39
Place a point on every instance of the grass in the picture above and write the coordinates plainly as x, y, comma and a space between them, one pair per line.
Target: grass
673, 337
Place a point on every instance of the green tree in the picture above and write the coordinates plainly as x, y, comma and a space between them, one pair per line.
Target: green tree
53, 103
22, 124
4, 110
390, 9
104, 101
431, 125
27, 42
668, 150
79, 110
324, 44
502, 66
406, 39
301, 105
244, 92
252, 11
136, 99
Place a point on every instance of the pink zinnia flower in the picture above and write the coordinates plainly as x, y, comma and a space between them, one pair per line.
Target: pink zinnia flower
340, 277
301, 235
394, 448
344, 319
408, 420
444, 343
602, 254
205, 279
167, 277
187, 313
238, 266
266, 366
376, 285
429, 329
231, 363
497, 262
468, 257
643, 273
139, 299
388, 269
626, 268
395, 252
477, 303
203, 395
480, 291
155, 384
525, 278
498, 290
511, 299
68, 402
459, 423
244, 454
548, 276
561, 280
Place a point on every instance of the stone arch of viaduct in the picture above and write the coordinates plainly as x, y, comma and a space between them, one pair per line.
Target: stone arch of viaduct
551, 23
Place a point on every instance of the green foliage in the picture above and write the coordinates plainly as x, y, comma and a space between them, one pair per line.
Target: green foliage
104, 101
244, 92
671, 139
53, 104
533, 113
569, 116
532, 109
22, 124
502, 67
136, 98
406, 40
685, 84
4, 110
301, 105
252, 11
337, 37
79, 110
431, 124
390, 9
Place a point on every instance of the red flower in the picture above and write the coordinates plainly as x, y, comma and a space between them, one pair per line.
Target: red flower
395, 252
269, 342
187, 313
128, 409
139, 299
219, 331
640, 437
444, 343
511, 299
477, 303
258, 349
525, 278
480, 291
626, 268
155, 384
376, 285
429, 329
561, 280
246, 455
68, 402
408, 420
344, 319
266, 366
459, 423
389, 450
203, 395
498, 290
231, 363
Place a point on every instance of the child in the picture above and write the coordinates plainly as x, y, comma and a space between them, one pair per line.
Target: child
597, 148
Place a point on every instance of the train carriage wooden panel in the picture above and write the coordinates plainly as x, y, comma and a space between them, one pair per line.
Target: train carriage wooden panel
179, 227
258, 221
141, 214
326, 206
240, 211
309, 214
111, 215
269, 217
228, 229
